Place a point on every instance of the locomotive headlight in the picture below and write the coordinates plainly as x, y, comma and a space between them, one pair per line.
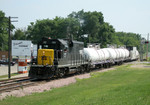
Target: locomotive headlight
43, 52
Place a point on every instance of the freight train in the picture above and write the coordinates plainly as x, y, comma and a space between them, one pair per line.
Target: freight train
60, 57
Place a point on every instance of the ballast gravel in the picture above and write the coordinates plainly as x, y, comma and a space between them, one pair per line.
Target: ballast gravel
47, 86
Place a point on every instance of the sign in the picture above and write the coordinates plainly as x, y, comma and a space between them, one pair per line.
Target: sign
21, 48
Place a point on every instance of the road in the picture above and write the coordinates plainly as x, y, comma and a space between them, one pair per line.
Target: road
4, 69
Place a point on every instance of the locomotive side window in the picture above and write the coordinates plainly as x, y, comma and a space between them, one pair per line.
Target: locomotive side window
44, 42
40, 47
45, 46
53, 42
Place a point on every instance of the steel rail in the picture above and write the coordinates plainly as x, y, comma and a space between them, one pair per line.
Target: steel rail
16, 84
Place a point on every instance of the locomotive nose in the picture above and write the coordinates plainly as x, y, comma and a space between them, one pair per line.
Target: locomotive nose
45, 56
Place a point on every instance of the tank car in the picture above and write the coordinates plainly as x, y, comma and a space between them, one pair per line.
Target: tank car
105, 57
134, 54
57, 57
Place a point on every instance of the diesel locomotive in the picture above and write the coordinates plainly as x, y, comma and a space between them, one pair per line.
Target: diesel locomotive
58, 57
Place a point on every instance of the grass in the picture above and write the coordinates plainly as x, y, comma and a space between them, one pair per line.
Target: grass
5, 76
124, 86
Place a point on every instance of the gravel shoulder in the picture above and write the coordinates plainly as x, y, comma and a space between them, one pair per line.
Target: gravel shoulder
141, 65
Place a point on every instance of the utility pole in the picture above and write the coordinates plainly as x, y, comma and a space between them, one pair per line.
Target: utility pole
9, 45
2, 46
142, 42
147, 47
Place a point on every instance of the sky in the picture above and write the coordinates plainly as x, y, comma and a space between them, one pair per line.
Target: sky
123, 15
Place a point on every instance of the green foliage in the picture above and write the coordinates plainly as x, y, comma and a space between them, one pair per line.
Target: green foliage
56, 28
4, 31
92, 23
19, 35
124, 86
129, 39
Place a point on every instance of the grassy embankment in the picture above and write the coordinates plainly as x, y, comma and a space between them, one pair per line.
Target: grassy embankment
124, 86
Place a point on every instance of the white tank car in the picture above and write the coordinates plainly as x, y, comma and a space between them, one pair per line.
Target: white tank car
96, 55
112, 53
122, 53
134, 54
91, 54
102, 55
105, 54
126, 53
118, 53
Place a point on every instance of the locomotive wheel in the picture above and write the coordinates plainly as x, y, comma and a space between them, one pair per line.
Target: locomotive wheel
100, 66
52, 70
61, 73
82, 69
105, 65
88, 69
79, 70
109, 65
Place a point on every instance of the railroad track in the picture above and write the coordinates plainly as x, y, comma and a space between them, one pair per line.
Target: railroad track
15, 83
12, 79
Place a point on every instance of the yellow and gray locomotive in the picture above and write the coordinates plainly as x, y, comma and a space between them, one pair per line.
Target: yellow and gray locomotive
57, 57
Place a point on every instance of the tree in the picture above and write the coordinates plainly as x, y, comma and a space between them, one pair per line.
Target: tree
19, 34
40, 29
4, 31
92, 23
56, 28
129, 39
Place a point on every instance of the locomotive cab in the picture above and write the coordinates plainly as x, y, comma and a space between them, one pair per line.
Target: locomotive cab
54, 44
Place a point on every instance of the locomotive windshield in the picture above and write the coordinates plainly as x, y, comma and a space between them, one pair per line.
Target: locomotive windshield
51, 44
